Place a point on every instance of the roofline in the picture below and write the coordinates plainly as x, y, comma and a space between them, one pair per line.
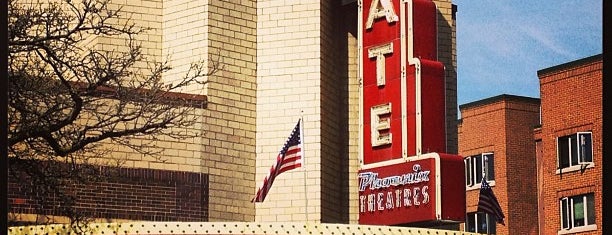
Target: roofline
500, 98
570, 64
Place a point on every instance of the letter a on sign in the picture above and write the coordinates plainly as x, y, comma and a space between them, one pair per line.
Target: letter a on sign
379, 9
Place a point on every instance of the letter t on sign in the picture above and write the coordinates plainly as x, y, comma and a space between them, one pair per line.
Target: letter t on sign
379, 52
379, 124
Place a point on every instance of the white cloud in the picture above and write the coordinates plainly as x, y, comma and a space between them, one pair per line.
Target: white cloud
502, 44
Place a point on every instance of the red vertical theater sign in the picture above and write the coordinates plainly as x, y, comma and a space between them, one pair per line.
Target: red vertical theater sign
404, 116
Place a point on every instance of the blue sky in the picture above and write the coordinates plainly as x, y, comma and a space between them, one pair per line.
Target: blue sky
501, 44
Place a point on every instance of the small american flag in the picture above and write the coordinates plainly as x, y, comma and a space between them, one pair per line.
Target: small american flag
290, 157
487, 202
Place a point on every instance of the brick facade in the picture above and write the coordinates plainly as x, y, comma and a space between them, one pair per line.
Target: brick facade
125, 193
571, 96
281, 60
522, 133
503, 125
223, 149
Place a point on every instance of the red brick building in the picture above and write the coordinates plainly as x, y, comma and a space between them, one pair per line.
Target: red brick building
569, 148
496, 139
553, 173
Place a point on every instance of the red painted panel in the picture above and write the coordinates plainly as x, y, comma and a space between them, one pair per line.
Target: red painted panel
433, 107
452, 173
381, 31
376, 95
433, 135
386, 193
424, 15
392, 64
411, 109
383, 190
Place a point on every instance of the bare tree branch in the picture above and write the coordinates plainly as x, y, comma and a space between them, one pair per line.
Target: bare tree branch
66, 98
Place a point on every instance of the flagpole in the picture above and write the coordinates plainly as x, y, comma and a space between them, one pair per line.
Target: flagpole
484, 179
304, 164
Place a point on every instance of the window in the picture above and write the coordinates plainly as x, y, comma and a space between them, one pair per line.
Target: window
574, 150
476, 166
577, 211
479, 222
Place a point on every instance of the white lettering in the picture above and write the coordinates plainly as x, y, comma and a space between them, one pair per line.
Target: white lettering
398, 198
371, 202
379, 53
425, 194
389, 204
379, 124
415, 196
371, 179
362, 203
407, 201
379, 9
380, 201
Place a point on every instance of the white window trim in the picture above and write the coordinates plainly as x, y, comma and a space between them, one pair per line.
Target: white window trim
581, 165
484, 166
468, 168
570, 205
575, 168
564, 201
590, 227
487, 219
578, 143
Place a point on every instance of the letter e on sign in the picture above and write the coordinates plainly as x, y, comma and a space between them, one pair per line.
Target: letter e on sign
380, 122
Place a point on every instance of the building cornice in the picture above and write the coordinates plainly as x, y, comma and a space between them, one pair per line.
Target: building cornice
570, 64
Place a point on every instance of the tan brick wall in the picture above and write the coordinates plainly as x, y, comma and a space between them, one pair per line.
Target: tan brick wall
144, 14
185, 37
504, 125
353, 112
170, 153
571, 102
288, 86
447, 54
160, 21
183, 32
334, 114
229, 147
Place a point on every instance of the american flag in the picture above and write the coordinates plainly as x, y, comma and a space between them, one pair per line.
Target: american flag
487, 202
289, 157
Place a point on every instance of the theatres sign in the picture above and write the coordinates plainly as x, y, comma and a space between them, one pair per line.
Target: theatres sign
428, 189
403, 117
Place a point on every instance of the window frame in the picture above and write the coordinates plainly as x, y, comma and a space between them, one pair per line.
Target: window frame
567, 214
490, 222
475, 166
575, 146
